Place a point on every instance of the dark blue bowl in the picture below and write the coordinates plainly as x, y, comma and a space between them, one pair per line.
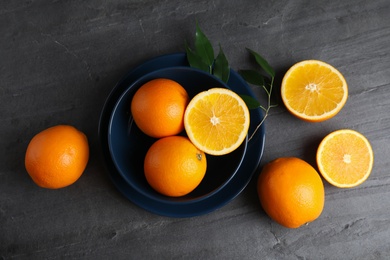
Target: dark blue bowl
128, 145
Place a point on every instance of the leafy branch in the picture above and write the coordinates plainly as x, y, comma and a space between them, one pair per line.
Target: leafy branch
266, 82
202, 57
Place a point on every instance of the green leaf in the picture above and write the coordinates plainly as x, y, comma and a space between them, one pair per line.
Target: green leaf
253, 77
203, 47
263, 63
194, 60
250, 102
221, 66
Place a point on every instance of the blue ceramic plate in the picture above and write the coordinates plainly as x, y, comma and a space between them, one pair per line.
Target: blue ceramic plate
240, 180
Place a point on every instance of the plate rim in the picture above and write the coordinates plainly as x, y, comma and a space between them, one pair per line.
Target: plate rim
186, 209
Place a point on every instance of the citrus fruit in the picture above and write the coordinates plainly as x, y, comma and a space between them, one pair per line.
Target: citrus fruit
158, 107
313, 90
217, 121
173, 166
345, 158
291, 192
56, 157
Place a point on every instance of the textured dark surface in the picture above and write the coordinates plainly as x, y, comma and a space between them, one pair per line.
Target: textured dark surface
60, 59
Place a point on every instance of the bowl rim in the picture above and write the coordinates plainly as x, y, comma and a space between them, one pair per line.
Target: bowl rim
157, 196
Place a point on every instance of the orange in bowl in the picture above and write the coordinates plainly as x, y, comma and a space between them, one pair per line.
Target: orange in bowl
217, 121
174, 167
158, 107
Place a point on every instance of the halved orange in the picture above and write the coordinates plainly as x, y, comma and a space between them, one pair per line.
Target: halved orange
217, 121
314, 91
345, 158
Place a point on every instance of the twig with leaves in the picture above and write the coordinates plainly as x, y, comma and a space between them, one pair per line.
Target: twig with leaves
202, 57
257, 78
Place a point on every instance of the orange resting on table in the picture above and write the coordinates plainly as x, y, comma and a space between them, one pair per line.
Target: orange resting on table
345, 158
314, 91
291, 192
57, 156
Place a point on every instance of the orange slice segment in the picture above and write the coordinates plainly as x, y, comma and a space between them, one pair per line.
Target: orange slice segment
345, 158
217, 121
314, 91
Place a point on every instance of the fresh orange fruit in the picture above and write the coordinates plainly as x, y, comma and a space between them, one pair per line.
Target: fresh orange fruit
314, 91
174, 166
345, 158
158, 107
57, 156
217, 121
291, 192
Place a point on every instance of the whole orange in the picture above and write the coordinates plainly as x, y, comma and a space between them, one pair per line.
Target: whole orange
56, 157
291, 192
174, 166
158, 107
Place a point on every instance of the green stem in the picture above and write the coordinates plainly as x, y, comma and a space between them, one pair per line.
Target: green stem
269, 106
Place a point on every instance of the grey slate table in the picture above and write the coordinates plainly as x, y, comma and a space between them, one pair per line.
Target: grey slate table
60, 59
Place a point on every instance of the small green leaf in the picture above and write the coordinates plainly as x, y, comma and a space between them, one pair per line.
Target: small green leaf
250, 102
263, 63
194, 60
221, 66
253, 77
203, 47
